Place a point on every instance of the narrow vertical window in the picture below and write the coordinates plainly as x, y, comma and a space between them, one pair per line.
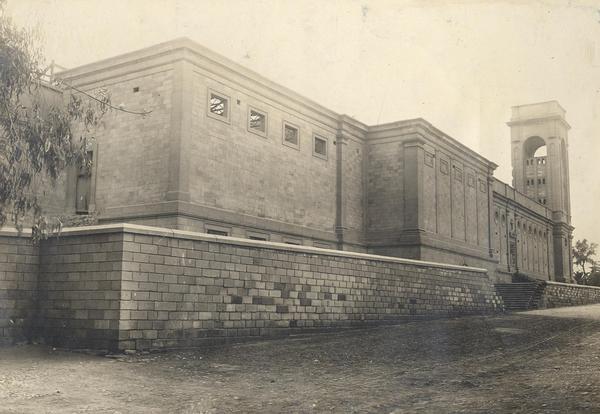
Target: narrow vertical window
83, 185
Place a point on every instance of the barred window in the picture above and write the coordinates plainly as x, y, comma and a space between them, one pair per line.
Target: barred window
257, 121
218, 106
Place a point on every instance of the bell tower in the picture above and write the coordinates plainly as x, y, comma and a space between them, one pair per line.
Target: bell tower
540, 168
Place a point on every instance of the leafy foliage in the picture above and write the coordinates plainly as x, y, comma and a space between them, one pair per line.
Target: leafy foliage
44, 127
583, 254
594, 278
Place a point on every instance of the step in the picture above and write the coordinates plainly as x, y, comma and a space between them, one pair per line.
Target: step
519, 295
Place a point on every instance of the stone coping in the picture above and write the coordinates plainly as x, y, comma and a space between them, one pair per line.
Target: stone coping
571, 285
11, 231
164, 232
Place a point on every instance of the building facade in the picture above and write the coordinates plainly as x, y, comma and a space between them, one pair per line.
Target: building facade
226, 151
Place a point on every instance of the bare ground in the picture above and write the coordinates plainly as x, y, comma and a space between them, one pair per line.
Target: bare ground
534, 362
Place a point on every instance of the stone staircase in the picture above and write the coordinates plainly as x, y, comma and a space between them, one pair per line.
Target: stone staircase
519, 296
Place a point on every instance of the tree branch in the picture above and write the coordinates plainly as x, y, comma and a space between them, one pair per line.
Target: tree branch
105, 103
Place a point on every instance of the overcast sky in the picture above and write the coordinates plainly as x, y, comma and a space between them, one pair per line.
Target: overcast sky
459, 64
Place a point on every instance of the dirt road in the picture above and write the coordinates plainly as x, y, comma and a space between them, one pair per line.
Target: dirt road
534, 362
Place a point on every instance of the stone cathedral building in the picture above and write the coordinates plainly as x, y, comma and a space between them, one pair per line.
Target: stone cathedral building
228, 152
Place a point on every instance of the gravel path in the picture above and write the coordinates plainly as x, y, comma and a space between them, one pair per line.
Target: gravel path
533, 362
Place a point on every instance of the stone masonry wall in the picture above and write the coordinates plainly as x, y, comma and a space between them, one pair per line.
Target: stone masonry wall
563, 294
136, 287
18, 279
124, 286
253, 175
179, 289
132, 151
80, 290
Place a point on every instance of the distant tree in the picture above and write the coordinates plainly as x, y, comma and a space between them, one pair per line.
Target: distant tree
583, 254
594, 277
39, 136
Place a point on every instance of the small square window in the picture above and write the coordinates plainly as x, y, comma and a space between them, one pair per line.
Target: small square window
218, 106
320, 147
257, 122
291, 135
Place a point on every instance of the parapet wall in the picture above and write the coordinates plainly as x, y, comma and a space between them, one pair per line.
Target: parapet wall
136, 287
564, 294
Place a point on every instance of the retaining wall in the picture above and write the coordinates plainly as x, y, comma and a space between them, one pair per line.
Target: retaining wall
558, 294
136, 287
80, 289
18, 286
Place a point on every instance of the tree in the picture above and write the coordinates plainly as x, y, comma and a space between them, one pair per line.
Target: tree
43, 128
583, 254
594, 278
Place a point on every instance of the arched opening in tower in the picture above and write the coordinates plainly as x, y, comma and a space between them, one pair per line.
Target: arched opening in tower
536, 176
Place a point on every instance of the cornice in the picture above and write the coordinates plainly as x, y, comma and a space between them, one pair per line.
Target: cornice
539, 119
426, 130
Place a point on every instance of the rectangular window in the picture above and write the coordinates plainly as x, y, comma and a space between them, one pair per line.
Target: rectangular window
83, 184
429, 159
217, 232
444, 167
257, 236
291, 135
295, 242
218, 106
458, 174
320, 147
482, 186
470, 180
257, 122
